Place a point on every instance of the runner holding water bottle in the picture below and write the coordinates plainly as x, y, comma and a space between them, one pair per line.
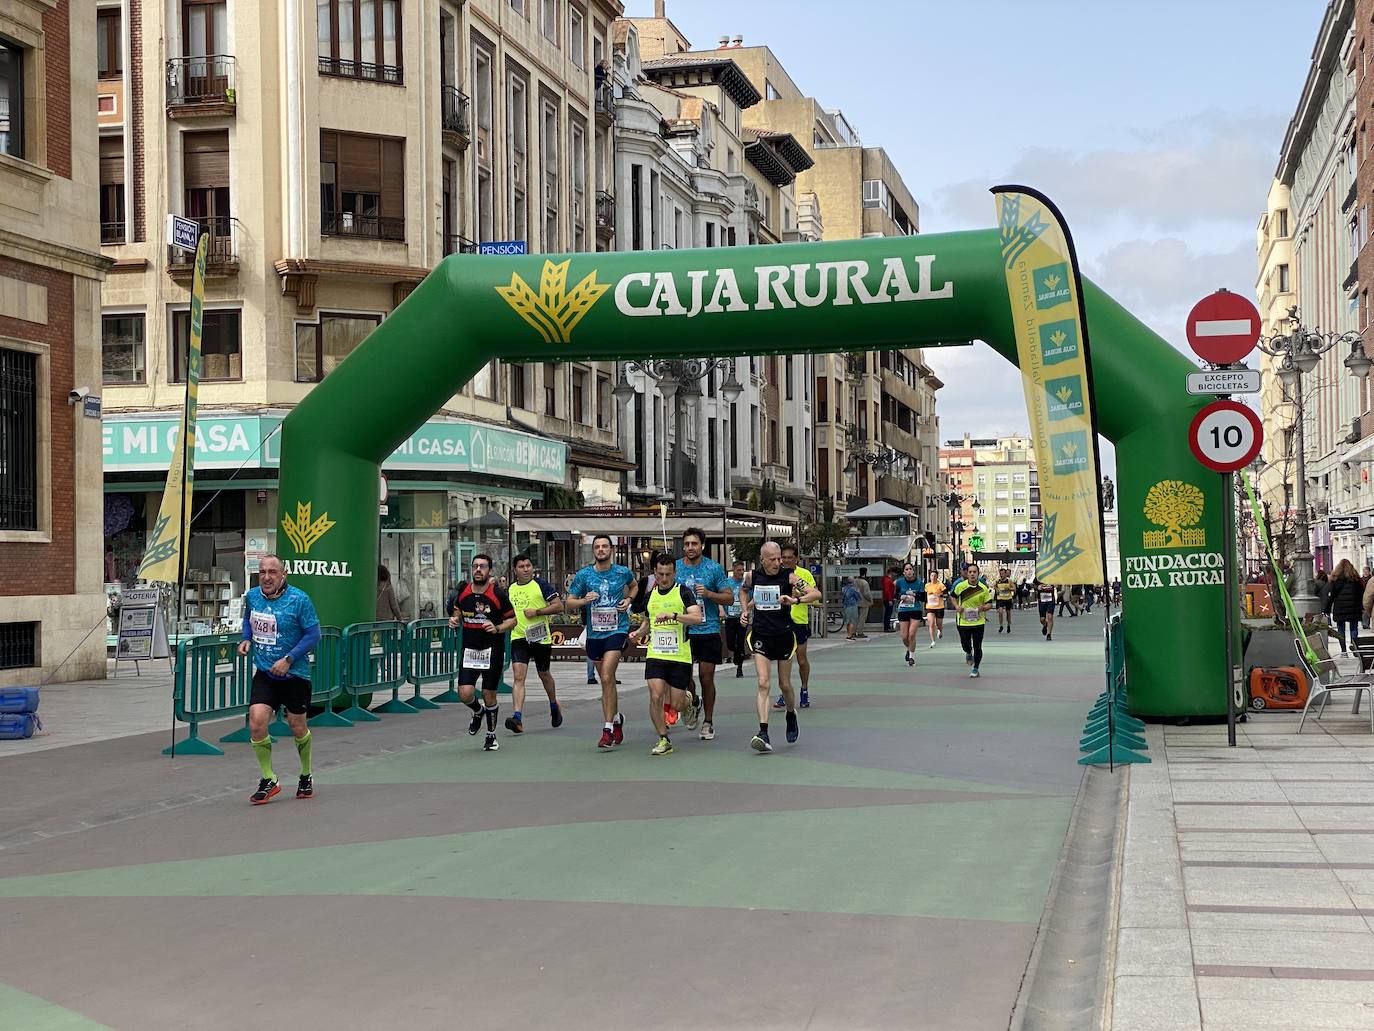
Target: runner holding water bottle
734, 633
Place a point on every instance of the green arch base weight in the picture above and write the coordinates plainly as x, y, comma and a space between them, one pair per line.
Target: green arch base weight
785, 299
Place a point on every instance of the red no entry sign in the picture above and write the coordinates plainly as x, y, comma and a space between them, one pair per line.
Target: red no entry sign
1223, 328
1225, 436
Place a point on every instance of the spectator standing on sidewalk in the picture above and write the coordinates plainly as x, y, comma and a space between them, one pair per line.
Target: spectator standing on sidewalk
865, 600
849, 600
1345, 603
889, 597
387, 605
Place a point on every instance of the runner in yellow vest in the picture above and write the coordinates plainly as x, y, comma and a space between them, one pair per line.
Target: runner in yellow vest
671, 609
1004, 592
534, 601
972, 598
801, 626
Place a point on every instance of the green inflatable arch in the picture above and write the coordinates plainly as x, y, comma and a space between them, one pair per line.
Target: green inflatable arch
783, 299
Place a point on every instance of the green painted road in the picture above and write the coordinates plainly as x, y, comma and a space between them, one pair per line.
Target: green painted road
888, 870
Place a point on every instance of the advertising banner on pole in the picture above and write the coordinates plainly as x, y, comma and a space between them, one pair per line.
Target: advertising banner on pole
171, 533
1052, 350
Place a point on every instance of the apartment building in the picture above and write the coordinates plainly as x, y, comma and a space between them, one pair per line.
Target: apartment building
999, 490
875, 436
1328, 216
1275, 290
50, 271
334, 152
689, 175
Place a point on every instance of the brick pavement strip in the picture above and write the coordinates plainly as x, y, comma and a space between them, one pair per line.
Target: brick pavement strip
1206, 939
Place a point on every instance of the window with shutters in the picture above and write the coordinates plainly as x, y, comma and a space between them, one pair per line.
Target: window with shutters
548, 165
577, 31
362, 186
579, 396
578, 139
112, 189
221, 352
121, 348
518, 122
483, 86
205, 171
360, 39
18, 440
548, 19
320, 347
109, 47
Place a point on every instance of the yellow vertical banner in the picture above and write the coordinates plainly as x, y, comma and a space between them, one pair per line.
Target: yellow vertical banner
164, 557
1045, 291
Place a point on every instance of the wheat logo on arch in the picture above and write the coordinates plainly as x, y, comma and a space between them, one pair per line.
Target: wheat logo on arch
1176, 506
555, 310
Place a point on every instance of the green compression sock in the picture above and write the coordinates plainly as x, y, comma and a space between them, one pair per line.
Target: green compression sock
263, 750
303, 750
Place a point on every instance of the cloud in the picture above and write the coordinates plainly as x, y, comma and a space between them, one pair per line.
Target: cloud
1211, 168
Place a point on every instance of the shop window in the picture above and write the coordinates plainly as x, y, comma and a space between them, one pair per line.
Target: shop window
360, 39
220, 346
18, 440
11, 98
320, 347
121, 349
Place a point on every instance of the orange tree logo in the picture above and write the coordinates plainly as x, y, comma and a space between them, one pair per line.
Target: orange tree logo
555, 310
302, 531
1176, 506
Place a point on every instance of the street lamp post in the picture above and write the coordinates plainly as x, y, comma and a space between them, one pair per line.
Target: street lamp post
955, 503
1299, 351
677, 379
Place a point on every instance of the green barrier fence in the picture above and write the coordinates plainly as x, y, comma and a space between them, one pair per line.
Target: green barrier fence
212, 681
433, 651
327, 678
1111, 734
374, 661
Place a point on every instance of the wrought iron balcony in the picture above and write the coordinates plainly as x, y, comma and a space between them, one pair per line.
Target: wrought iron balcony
605, 215
388, 73
454, 115
456, 244
203, 85
221, 251
112, 232
605, 102
372, 227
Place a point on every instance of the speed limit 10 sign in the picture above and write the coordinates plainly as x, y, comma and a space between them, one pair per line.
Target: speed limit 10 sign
1225, 436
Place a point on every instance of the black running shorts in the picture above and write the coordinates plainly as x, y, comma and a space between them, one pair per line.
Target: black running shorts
677, 674
1046, 609
523, 653
706, 648
773, 646
289, 693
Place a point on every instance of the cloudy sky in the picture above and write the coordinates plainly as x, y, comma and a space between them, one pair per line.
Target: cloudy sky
1155, 128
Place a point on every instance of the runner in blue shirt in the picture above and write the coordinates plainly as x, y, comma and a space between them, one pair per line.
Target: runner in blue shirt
279, 628
705, 578
734, 633
911, 596
608, 589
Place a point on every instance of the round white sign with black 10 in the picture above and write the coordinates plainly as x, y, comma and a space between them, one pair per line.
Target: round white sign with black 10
1226, 436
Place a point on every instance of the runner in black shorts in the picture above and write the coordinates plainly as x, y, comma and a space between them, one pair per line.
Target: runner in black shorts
770, 592
1045, 594
1004, 593
485, 613
533, 600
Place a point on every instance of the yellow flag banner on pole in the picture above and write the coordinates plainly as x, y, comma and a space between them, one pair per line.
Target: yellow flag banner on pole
1052, 350
165, 556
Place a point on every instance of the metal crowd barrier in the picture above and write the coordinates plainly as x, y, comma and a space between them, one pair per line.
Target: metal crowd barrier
374, 661
1111, 735
433, 651
212, 681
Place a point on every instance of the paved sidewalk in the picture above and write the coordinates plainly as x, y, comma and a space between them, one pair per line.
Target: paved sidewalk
1247, 893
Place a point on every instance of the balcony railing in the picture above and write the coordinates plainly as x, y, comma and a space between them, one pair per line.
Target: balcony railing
221, 251
373, 227
605, 214
207, 80
111, 232
605, 102
387, 73
454, 110
456, 244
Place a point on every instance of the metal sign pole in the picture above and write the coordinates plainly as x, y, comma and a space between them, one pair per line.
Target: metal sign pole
1228, 578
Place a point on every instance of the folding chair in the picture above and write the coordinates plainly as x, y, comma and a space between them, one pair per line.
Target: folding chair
1326, 680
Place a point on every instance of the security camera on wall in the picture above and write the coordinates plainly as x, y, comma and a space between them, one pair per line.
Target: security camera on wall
78, 394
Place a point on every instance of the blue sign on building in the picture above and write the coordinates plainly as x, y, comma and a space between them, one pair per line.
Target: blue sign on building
182, 232
502, 247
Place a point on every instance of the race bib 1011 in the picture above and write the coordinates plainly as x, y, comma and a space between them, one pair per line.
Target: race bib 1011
477, 658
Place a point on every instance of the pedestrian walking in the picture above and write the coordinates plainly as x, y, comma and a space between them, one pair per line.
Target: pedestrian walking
483, 609
1344, 603
849, 601
1323, 587
889, 597
972, 599
1066, 601
911, 591
279, 629
387, 605
865, 601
